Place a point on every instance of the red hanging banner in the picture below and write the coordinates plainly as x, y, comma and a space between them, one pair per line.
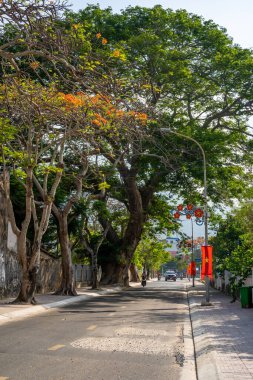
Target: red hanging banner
193, 268
207, 261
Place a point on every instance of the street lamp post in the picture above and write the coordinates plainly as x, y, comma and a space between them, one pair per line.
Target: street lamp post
205, 194
192, 254
190, 211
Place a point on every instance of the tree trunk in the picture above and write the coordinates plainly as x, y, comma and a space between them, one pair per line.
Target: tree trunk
94, 264
28, 287
134, 273
30, 261
123, 272
110, 273
133, 231
138, 204
125, 275
67, 286
29, 273
94, 278
3, 234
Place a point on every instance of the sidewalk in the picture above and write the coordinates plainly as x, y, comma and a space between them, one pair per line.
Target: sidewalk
223, 336
10, 312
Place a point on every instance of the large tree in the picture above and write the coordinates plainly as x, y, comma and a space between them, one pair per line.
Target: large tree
184, 73
35, 44
154, 68
33, 151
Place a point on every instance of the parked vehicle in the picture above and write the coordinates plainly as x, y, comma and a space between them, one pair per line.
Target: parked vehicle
170, 275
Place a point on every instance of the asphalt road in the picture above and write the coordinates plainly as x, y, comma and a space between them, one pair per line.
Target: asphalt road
135, 334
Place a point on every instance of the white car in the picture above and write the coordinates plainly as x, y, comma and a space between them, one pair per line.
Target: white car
170, 275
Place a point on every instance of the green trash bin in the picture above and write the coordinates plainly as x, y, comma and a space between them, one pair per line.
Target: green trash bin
246, 296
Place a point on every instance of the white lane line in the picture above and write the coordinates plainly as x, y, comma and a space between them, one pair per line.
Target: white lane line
56, 347
92, 327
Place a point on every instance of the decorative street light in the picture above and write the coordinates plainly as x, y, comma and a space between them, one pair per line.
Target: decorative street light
189, 212
204, 195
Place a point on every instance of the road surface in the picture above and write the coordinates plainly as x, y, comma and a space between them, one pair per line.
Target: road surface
131, 335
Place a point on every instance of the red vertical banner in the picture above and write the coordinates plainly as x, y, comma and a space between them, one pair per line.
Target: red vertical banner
193, 268
207, 261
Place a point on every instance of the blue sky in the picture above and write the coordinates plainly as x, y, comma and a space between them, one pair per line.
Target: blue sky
234, 15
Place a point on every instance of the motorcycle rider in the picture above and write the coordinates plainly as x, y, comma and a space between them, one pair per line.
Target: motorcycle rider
143, 279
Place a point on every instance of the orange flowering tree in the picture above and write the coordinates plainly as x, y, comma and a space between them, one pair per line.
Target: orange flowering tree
34, 154
50, 126
117, 124
49, 51
117, 134
46, 52
103, 124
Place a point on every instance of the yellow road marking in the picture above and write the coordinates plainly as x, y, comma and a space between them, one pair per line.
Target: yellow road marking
123, 307
56, 347
111, 314
92, 327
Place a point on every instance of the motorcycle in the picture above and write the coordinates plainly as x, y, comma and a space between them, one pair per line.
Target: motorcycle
143, 283
181, 277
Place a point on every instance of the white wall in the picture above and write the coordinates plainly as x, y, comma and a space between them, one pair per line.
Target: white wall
11, 240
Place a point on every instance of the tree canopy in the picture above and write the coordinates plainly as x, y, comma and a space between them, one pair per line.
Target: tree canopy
233, 245
117, 79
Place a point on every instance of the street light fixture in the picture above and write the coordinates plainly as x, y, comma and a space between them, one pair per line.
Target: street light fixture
205, 193
190, 211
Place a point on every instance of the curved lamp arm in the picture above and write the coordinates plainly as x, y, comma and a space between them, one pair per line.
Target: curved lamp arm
204, 172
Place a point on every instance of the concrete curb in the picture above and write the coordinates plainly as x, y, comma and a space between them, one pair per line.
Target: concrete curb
189, 368
205, 359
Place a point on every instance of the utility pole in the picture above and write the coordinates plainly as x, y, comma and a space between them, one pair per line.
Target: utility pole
207, 281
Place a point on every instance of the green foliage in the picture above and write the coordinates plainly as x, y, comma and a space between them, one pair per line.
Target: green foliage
103, 186
160, 218
182, 71
193, 80
151, 253
7, 131
233, 245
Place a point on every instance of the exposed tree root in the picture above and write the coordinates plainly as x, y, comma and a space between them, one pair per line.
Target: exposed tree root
21, 301
65, 292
